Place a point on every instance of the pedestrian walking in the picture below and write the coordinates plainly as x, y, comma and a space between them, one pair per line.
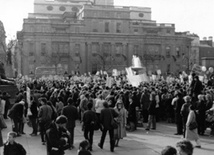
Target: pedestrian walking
33, 116
89, 122
120, 132
44, 117
70, 111
152, 113
106, 117
191, 132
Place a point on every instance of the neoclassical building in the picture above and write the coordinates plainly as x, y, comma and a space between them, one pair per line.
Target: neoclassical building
92, 35
2, 44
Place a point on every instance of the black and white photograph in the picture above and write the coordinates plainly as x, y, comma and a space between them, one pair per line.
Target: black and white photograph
105, 77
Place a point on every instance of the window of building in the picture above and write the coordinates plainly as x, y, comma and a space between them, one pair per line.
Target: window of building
106, 26
43, 49
31, 50
49, 8
118, 27
119, 15
106, 49
31, 29
62, 8
119, 48
167, 51
95, 25
135, 30
77, 49
141, 15
168, 31
95, 48
75, 9
95, 30
136, 49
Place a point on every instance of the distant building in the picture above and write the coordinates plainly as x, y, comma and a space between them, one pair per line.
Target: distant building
2, 51
90, 35
206, 52
2, 44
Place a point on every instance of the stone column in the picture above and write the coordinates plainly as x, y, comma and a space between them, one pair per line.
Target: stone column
124, 52
113, 58
88, 57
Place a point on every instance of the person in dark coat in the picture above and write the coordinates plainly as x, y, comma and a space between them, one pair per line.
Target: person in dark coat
70, 111
178, 118
16, 114
11, 147
57, 136
196, 88
152, 112
44, 117
33, 117
144, 101
132, 117
89, 122
201, 111
106, 116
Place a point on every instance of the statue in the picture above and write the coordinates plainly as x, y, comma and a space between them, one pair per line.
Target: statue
3, 79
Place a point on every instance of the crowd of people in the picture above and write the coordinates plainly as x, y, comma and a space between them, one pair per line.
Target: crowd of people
55, 105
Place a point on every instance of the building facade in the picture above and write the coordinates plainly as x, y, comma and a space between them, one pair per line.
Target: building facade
2, 51
87, 36
2, 44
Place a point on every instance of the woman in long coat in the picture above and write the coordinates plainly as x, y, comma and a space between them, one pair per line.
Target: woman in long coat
120, 132
192, 134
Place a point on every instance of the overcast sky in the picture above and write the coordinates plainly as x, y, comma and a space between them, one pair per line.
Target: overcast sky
196, 16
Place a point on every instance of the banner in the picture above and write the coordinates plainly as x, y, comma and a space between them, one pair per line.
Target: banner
197, 69
114, 72
109, 82
28, 101
135, 80
28, 96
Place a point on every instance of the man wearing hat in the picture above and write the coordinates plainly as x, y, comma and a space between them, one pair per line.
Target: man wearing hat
57, 137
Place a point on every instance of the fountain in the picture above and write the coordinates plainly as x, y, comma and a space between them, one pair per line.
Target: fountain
136, 73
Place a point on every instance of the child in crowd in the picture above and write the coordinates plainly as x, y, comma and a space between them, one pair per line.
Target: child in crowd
83, 148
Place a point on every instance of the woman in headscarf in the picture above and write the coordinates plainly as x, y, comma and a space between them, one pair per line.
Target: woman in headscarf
120, 132
191, 134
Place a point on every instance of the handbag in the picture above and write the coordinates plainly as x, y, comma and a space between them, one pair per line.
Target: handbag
193, 125
114, 124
